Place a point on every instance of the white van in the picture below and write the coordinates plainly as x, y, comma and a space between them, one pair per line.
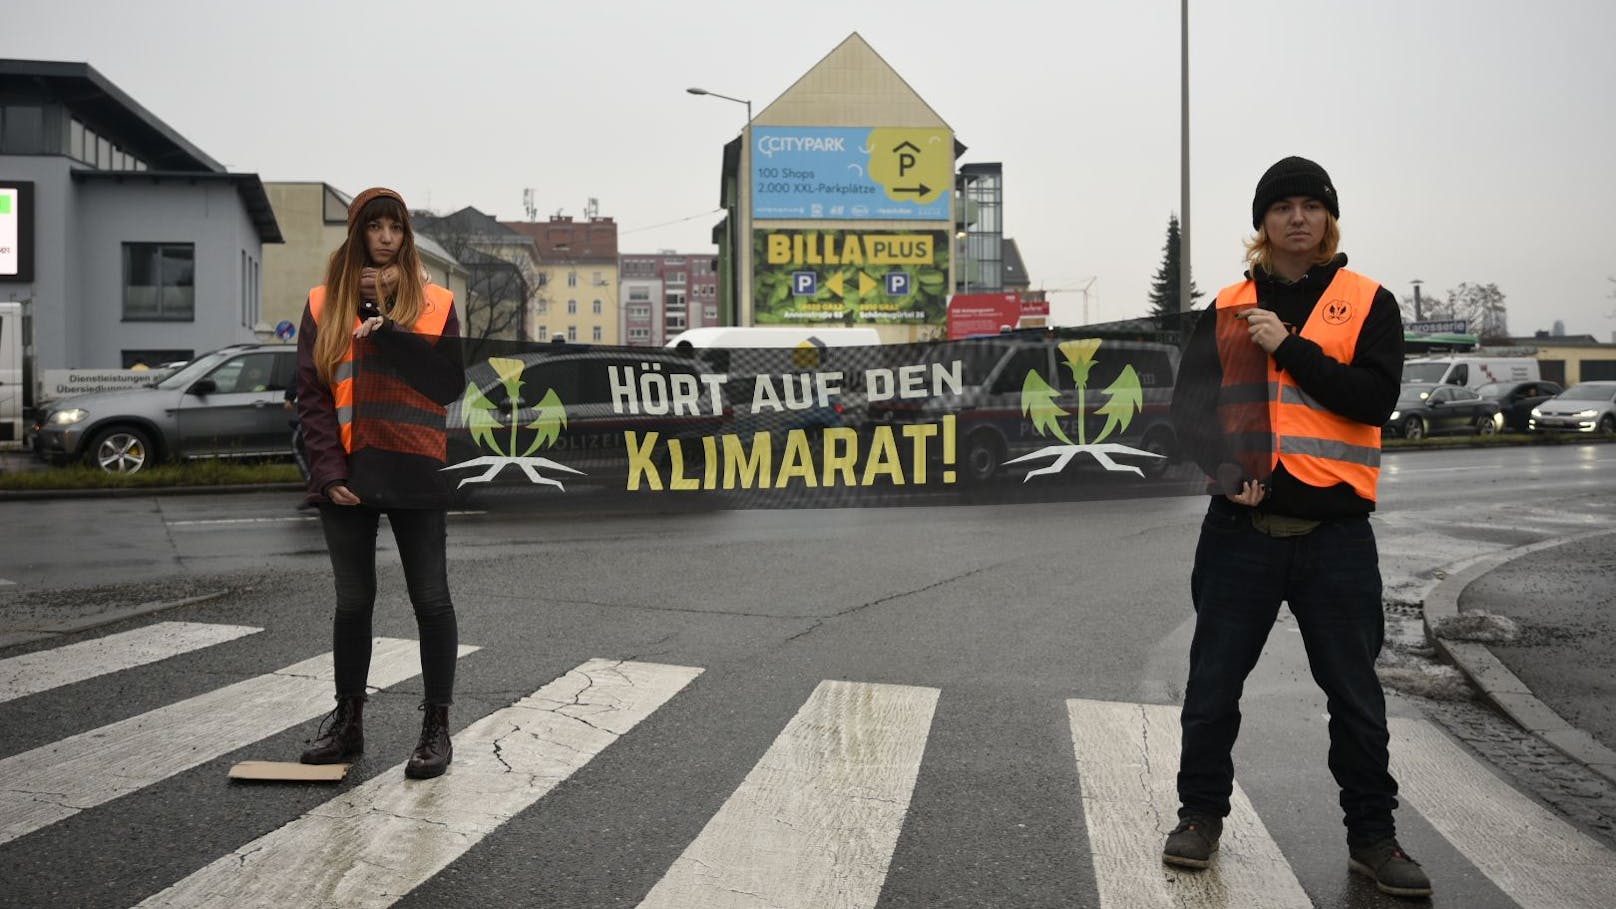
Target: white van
1470, 371
775, 336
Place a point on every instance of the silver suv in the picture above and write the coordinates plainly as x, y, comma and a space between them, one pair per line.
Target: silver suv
227, 403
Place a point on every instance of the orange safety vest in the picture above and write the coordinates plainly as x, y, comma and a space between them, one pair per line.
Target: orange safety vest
1268, 418
393, 415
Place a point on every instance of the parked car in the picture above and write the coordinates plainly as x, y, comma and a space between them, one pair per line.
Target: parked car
227, 403
1427, 409
1516, 400
1584, 407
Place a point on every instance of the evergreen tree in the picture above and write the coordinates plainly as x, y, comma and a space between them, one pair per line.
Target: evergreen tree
1164, 286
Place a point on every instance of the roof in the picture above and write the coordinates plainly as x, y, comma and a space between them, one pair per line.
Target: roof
248, 186
109, 111
562, 239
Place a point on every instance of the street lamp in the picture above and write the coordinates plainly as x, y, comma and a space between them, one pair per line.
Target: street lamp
703, 91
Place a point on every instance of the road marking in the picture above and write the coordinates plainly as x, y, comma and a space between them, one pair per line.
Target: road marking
279, 519
370, 846
815, 822
43, 670
56, 781
1127, 761
1532, 855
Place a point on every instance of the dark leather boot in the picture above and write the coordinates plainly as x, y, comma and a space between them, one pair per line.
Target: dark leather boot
342, 734
433, 753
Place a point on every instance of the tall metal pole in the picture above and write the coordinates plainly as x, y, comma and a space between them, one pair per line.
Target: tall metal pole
1184, 301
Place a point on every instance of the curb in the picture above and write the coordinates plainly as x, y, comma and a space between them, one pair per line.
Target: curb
135, 491
24, 635
1497, 683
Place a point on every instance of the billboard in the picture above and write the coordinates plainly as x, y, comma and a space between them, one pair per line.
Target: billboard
839, 275
982, 314
851, 173
16, 231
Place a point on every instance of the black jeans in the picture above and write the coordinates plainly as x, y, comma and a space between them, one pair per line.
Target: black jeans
1331, 579
421, 534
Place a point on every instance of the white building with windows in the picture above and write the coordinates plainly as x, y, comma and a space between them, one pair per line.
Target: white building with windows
133, 245
665, 293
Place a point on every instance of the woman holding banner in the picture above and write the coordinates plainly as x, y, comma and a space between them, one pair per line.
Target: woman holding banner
378, 362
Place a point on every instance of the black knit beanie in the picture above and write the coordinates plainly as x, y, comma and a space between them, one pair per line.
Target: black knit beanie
1293, 177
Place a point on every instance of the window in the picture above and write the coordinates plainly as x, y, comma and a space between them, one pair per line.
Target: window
596, 307
596, 334
572, 307
639, 294
103, 153
572, 332
572, 279
540, 307
712, 313
75, 140
677, 277
159, 282
246, 374
22, 132
544, 333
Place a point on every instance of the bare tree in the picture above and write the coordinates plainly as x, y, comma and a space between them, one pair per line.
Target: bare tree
502, 271
1483, 306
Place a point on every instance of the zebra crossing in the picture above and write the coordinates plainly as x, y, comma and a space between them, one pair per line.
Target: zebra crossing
815, 823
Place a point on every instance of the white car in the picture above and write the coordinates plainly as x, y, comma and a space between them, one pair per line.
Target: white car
1584, 407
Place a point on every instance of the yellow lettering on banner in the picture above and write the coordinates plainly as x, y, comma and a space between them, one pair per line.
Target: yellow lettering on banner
753, 467
676, 468
845, 461
920, 434
639, 461
779, 249
883, 458
709, 449
798, 462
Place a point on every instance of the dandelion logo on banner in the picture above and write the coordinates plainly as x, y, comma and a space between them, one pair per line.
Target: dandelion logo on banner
486, 424
1123, 399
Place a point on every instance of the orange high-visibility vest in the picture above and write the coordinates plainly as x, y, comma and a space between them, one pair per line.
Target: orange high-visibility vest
1270, 420
393, 415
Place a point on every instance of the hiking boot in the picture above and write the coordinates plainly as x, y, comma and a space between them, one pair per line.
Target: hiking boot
341, 734
433, 753
1389, 866
1193, 841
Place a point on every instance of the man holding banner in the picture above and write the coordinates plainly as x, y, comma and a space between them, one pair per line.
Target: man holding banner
1285, 384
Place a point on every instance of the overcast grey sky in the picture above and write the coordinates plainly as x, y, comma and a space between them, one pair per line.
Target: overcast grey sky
1470, 140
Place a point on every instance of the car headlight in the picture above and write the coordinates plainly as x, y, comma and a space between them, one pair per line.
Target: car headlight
69, 416
1536, 412
1587, 414
1396, 415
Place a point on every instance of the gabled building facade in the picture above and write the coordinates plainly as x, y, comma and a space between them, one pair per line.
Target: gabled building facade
577, 295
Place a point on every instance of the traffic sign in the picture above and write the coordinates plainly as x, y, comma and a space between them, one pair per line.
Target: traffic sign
285, 330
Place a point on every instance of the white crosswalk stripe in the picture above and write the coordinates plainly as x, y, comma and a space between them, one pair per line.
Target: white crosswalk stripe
815, 822
43, 670
1538, 859
374, 844
1127, 758
57, 781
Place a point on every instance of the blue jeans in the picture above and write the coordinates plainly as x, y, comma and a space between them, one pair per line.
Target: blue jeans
422, 537
1331, 579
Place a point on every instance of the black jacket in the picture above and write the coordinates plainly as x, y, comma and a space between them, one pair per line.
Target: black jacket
1364, 390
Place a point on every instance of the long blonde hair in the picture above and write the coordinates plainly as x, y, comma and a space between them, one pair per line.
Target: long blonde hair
1260, 250
342, 284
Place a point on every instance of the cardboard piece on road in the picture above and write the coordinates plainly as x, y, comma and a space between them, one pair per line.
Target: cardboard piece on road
288, 772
